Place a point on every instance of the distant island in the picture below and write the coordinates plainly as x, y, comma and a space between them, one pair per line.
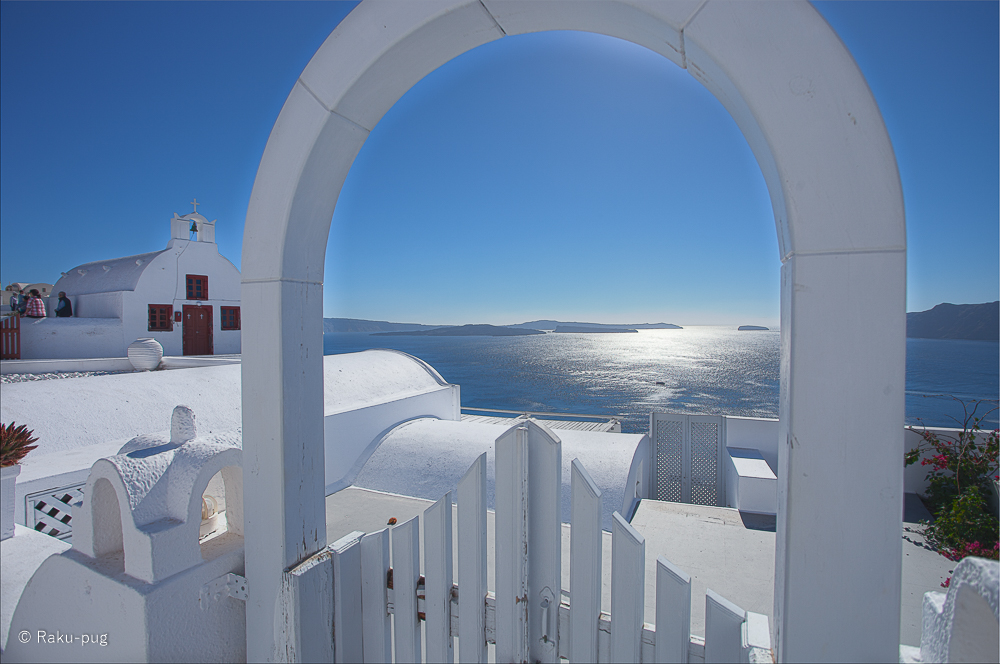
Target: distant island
553, 324
592, 330
358, 325
752, 327
362, 326
462, 331
973, 322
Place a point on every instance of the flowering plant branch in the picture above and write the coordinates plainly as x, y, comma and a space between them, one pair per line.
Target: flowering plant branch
963, 469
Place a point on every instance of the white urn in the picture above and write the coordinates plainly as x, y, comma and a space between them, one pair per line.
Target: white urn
145, 354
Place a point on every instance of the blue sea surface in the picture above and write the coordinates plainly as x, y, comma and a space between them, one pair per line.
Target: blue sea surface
715, 370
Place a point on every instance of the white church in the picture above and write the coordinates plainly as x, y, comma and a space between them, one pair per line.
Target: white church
186, 297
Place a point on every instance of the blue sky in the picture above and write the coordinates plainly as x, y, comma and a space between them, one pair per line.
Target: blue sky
556, 175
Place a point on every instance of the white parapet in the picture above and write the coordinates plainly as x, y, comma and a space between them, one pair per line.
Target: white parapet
751, 485
964, 625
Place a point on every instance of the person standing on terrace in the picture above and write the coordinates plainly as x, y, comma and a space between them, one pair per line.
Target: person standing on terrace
35, 308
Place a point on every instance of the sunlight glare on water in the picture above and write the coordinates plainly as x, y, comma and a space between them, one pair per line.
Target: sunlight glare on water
713, 370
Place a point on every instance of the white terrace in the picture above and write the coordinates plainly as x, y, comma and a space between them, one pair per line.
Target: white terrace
148, 506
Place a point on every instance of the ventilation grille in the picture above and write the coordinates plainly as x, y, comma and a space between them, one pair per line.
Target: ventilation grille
704, 463
51, 512
669, 460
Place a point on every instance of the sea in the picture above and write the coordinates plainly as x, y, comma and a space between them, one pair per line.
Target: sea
713, 370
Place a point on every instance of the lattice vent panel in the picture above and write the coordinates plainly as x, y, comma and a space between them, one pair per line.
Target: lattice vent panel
704, 463
51, 512
669, 460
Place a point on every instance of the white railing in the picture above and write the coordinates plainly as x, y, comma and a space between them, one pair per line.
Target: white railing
529, 618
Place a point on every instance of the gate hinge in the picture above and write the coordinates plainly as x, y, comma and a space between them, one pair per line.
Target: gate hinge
229, 585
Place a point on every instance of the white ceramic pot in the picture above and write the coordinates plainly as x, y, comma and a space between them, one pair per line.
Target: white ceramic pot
145, 354
8, 478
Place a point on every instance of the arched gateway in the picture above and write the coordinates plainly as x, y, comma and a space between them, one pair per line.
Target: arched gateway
819, 139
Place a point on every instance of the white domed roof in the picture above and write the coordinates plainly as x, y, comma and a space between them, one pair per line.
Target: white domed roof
356, 380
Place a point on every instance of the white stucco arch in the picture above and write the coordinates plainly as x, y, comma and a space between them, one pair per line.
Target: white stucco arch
819, 139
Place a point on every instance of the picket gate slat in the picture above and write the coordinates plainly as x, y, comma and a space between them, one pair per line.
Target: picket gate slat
545, 541
723, 629
604, 638
585, 565
376, 634
673, 612
472, 567
648, 645
438, 580
512, 545
405, 575
348, 622
564, 638
628, 566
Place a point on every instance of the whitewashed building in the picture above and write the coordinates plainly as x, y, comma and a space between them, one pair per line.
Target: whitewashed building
186, 296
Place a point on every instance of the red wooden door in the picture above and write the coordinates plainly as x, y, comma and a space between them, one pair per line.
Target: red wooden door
197, 330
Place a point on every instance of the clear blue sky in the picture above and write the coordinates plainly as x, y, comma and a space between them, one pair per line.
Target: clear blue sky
556, 175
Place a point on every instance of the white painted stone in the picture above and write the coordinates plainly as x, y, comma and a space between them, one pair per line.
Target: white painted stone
137, 574
145, 354
964, 625
20, 556
809, 116
8, 479
389, 46
656, 25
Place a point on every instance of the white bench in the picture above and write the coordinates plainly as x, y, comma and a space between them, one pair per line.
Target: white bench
751, 485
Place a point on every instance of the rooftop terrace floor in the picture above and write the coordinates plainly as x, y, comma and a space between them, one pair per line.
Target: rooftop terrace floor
721, 549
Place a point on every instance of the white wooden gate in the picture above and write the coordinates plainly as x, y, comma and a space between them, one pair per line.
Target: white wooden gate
378, 607
688, 458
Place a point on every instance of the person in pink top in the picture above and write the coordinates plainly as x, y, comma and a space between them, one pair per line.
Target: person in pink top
36, 309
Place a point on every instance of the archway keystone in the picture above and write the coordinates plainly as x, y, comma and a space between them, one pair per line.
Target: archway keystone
819, 139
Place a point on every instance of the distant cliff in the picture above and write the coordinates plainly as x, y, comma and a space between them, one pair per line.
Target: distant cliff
977, 322
357, 325
463, 331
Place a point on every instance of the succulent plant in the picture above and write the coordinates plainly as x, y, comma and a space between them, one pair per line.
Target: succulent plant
15, 443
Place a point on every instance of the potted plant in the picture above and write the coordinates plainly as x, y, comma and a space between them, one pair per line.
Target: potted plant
15, 443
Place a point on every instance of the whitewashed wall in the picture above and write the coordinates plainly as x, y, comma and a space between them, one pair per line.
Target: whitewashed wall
65, 338
163, 282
